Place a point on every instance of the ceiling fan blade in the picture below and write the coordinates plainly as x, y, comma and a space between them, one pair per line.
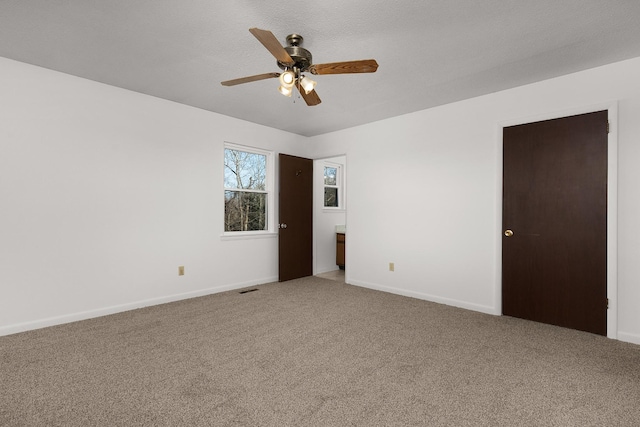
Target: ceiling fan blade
250, 79
273, 45
361, 66
310, 98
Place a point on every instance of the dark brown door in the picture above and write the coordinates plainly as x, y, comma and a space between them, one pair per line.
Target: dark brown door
554, 243
295, 257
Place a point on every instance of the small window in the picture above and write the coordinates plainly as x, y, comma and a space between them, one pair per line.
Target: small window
332, 182
247, 194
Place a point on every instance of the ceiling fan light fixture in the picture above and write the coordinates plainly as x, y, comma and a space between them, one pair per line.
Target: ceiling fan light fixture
287, 79
293, 60
286, 91
307, 84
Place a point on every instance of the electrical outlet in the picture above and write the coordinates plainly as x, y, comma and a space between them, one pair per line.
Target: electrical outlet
392, 266
181, 270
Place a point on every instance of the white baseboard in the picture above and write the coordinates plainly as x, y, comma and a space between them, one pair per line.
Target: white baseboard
630, 338
83, 315
326, 271
419, 295
74, 317
622, 336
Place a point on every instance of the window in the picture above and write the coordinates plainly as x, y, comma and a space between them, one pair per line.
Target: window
332, 186
247, 189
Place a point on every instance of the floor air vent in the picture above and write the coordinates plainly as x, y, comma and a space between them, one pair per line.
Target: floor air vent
248, 290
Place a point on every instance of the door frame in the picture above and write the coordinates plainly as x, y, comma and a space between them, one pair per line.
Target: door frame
315, 217
612, 203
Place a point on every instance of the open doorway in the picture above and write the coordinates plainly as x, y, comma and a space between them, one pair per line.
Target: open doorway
330, 216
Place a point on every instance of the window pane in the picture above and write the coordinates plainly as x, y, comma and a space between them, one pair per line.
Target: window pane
244, 170
330, 197
245, 211
330, 176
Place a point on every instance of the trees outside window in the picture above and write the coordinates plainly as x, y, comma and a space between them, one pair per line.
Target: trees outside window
246, 189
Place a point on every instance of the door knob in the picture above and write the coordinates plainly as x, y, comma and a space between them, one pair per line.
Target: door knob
282, 225
508, 233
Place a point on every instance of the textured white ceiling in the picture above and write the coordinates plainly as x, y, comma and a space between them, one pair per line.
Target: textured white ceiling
430, 52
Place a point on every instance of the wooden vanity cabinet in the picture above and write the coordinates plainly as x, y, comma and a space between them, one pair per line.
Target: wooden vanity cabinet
340, 242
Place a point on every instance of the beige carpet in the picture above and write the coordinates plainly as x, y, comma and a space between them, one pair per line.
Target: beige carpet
315, 352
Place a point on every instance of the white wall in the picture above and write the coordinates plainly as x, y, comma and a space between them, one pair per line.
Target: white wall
424, 191
105, 192
325, 220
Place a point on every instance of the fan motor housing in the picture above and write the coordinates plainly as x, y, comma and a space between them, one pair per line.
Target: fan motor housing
301, 56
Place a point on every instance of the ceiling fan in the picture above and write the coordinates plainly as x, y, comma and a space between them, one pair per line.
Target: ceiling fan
295, 60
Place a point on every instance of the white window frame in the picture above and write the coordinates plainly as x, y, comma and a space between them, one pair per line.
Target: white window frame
339, 185
269, 189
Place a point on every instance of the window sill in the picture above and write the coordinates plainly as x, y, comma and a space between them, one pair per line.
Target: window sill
239, 235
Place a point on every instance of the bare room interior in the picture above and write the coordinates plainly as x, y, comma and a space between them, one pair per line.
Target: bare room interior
130, 294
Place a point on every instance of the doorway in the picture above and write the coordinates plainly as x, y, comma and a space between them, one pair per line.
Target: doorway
554, 246
330, 214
